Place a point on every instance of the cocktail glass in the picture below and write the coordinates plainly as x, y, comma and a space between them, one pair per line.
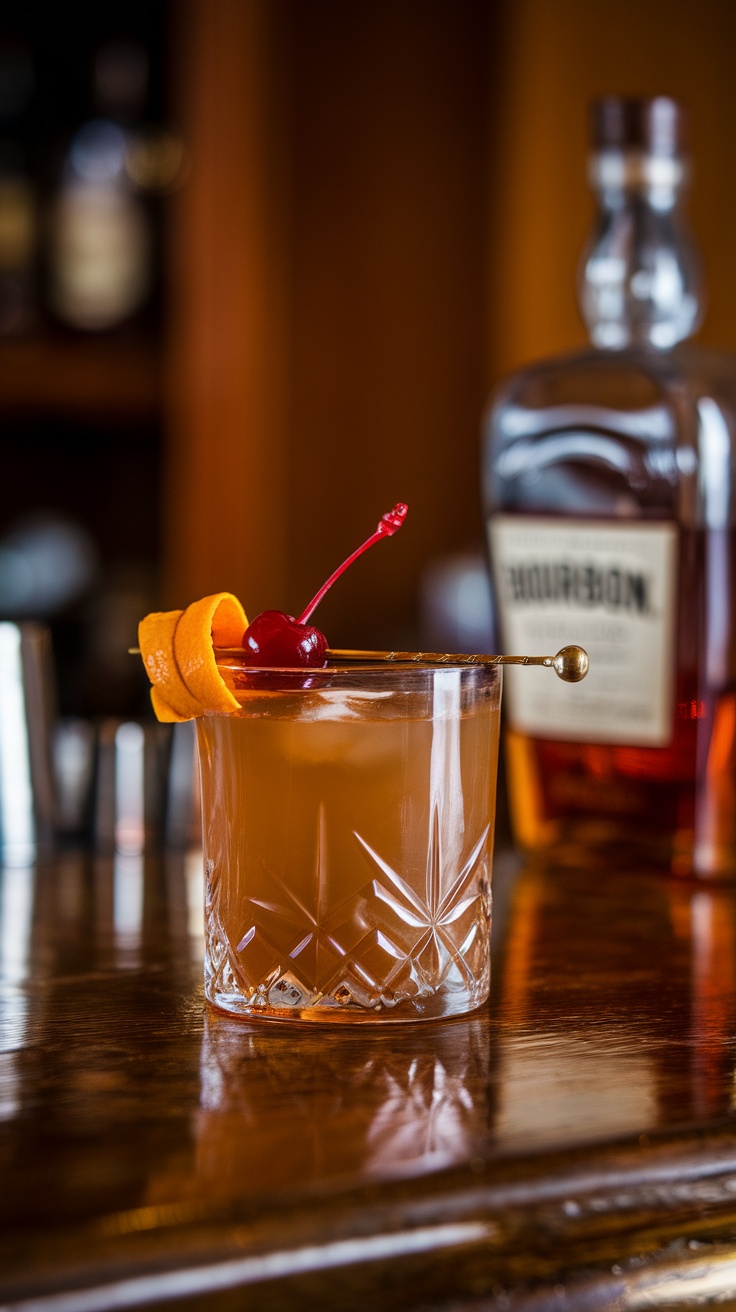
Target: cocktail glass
348, 818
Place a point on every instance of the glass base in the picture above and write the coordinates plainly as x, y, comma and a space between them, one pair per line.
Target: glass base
398, 967
435, 983
440, 1006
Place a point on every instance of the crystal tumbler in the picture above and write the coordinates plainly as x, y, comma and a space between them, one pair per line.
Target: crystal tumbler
348, 819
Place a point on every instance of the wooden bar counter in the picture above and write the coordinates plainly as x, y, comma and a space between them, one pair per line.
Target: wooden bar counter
570, 1146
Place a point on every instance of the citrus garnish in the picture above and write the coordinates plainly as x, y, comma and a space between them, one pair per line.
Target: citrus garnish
216, 621
178, 652
178, 646
156, 640
163, 712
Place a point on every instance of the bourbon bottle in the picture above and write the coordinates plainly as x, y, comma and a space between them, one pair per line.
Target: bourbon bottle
608, 487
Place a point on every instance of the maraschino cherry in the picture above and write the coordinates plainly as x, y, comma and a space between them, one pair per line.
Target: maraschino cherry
274, 639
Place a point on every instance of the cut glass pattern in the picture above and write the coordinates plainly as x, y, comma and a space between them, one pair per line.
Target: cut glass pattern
381, 946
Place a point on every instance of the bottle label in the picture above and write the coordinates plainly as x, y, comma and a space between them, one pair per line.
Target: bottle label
610, 588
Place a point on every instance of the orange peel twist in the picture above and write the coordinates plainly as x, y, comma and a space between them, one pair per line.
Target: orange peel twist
177, 647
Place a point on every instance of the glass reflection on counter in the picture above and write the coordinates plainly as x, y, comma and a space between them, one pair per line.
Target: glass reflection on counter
704, 921
16, 916
128, 873
139, 780
401, 1101
17, 809
100, 912
129, 789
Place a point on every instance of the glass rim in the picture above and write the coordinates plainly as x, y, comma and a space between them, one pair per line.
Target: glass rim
228, 658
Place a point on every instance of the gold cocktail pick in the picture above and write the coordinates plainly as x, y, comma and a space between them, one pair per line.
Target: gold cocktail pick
571, 663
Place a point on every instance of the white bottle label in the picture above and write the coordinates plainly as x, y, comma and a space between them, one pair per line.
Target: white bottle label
609, 587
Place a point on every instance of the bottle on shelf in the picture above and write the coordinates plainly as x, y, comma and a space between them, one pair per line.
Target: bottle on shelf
609, 497
100, 242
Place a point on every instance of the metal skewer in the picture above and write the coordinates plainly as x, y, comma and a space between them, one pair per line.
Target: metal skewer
570, 664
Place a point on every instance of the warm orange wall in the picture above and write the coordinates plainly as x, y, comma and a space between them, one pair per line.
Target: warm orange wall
557, 56
228, 371
389, 236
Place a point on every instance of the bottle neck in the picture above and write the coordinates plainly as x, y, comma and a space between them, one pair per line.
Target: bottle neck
639, 281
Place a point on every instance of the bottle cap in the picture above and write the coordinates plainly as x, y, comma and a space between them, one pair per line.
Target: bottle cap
655, 126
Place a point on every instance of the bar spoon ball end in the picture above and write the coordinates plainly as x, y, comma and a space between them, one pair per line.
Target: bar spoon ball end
571, 663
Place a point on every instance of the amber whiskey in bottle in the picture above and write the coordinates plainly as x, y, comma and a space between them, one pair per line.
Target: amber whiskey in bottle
608, 482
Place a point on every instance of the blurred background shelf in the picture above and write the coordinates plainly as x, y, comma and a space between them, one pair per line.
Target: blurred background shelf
115, 380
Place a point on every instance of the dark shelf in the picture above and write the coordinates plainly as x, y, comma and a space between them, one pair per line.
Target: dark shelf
87, 378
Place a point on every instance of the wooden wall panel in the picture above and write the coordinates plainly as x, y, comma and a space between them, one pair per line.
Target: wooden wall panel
390, 152
226, 507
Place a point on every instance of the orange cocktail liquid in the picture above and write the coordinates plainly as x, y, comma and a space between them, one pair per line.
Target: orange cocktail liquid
348, 834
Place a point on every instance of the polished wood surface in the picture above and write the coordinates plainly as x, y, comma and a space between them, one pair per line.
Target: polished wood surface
571, 1145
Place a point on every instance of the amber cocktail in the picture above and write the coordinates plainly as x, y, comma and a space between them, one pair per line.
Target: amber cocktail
348, 819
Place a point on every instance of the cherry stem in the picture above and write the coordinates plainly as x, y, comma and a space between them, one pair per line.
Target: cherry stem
390, 524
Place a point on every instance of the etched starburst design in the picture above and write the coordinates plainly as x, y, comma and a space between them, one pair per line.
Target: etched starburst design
382, 945
447, 923
280, 930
